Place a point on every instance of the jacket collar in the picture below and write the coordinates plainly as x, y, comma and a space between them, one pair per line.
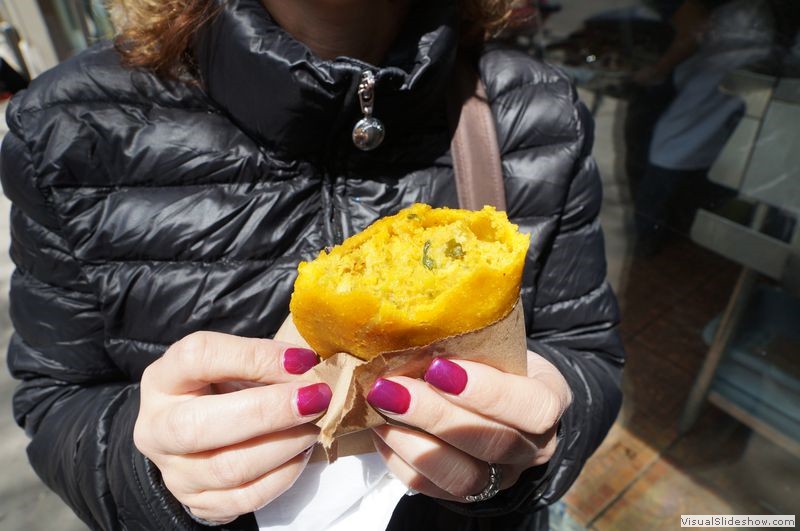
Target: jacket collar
298, 104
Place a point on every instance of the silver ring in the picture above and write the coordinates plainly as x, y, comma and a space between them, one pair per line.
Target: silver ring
199, 520
491, 490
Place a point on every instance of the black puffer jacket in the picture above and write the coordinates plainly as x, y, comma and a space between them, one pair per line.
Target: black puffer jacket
146, 209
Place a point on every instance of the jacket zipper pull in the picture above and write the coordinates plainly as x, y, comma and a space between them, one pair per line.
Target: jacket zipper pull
369, 131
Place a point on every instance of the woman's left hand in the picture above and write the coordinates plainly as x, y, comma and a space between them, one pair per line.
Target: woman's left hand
464, 416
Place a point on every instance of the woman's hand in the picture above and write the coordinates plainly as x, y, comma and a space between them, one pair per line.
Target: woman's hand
464, 416
224, 455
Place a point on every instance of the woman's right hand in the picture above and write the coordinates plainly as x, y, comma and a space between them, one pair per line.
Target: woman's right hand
224, 455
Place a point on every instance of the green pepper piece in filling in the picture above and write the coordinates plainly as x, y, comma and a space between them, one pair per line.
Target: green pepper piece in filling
454, 250
427, 261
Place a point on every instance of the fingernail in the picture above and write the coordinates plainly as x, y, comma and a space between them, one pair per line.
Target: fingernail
299, 360
447, 376
313, 399
389, 396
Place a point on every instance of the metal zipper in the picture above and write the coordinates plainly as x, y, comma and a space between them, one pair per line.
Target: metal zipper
368, 132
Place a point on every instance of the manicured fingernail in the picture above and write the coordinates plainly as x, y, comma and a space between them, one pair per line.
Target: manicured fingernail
313, 399
299, 360
389, 396
447, 376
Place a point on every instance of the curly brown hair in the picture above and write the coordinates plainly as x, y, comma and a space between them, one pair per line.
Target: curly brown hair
156, 34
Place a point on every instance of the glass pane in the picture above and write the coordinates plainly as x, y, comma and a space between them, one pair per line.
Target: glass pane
695, 105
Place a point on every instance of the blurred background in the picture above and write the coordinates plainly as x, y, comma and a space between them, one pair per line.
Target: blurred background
697, 109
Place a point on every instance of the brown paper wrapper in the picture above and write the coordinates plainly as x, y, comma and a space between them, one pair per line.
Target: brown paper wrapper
501, 345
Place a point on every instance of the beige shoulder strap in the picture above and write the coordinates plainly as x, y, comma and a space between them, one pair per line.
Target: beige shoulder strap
474, 148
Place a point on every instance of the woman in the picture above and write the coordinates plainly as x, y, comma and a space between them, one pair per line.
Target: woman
164, 192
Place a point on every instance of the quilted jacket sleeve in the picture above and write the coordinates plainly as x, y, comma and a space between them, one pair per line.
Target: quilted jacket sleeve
73, 402
572, 322
575, 319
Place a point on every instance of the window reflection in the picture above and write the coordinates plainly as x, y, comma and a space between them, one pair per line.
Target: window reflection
697, 105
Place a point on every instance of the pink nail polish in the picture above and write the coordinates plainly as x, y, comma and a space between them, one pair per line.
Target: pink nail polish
313, 399
447, 376
299, 360
389, 396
